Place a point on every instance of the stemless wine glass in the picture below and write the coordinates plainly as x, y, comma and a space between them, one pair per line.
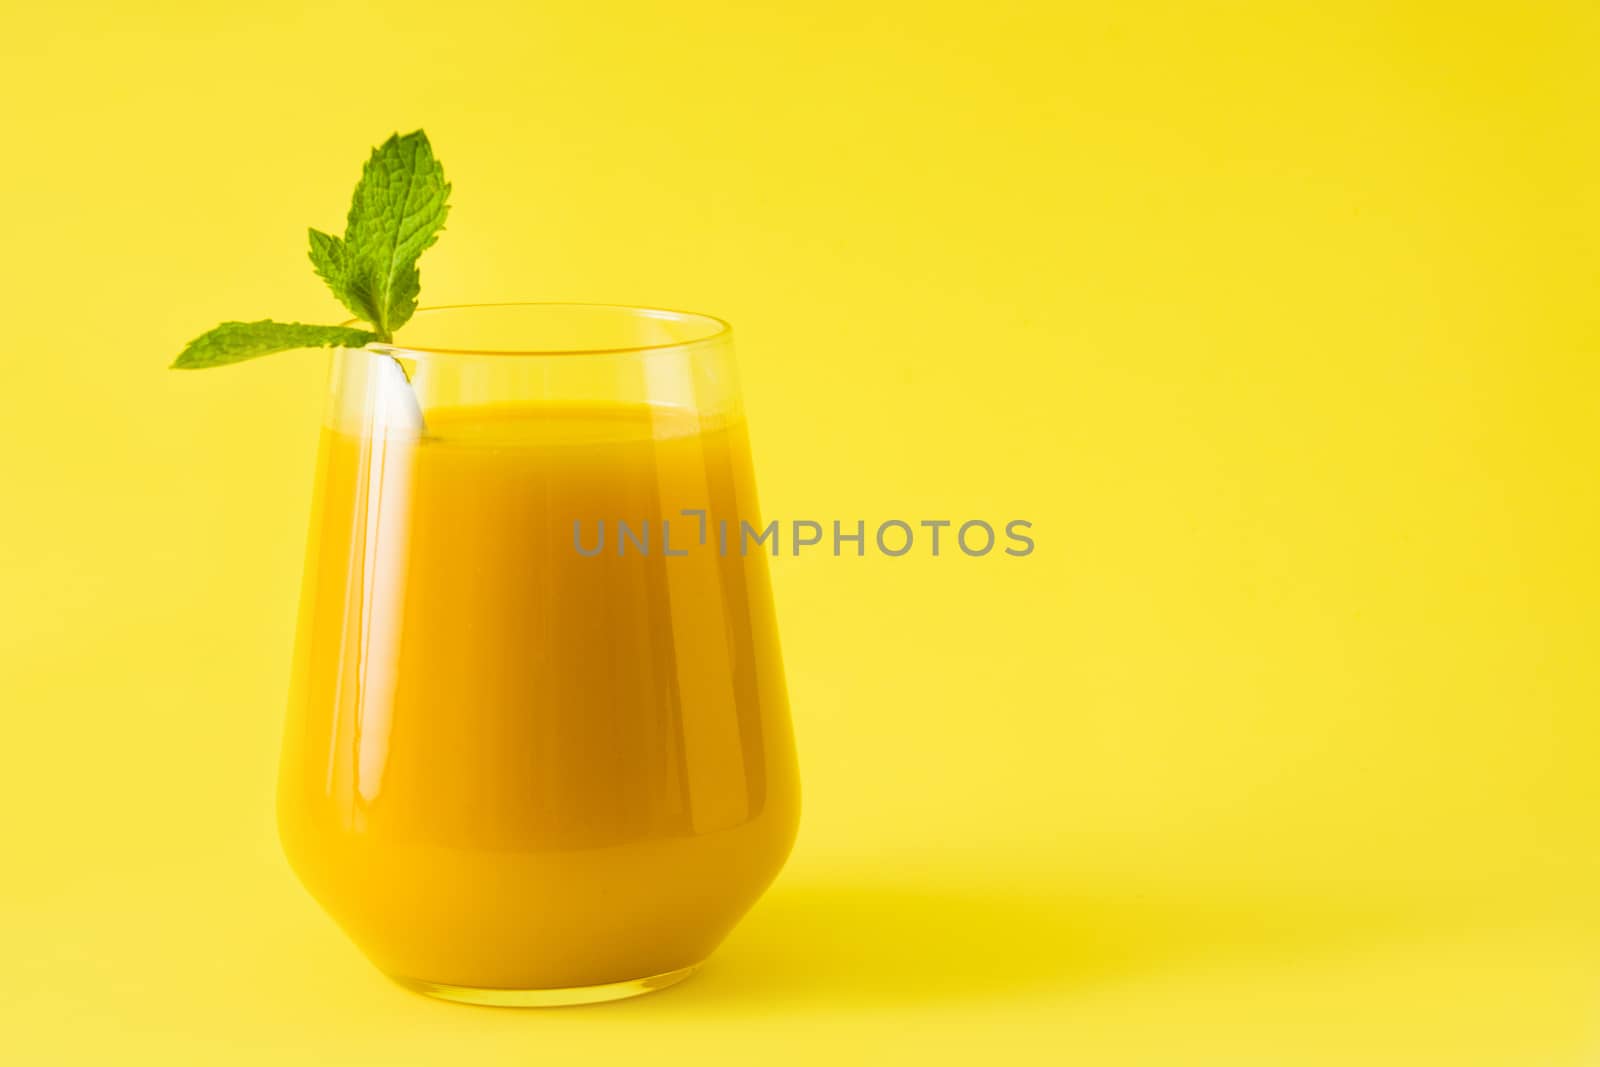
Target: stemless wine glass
538, 746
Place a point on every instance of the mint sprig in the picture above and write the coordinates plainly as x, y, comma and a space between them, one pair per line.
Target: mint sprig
396, 214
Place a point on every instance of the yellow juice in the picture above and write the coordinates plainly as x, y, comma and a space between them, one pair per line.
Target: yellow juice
512, 765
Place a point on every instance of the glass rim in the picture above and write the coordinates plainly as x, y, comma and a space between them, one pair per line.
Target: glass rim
715, 329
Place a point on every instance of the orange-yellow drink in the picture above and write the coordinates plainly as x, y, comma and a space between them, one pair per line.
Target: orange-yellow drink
511, 765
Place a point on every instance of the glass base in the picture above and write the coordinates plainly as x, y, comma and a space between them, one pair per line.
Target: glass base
547, 998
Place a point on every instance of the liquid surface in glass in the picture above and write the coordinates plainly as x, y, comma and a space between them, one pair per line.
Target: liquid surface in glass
512, 764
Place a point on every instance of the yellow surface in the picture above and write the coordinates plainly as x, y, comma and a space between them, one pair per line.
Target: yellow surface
1277, 320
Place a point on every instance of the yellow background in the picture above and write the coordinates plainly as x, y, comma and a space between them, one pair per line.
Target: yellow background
1277, 320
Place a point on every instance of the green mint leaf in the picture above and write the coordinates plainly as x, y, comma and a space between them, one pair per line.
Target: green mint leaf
235, 341
397, 212
332, 266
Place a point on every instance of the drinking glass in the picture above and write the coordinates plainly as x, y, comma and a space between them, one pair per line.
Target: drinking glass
538, 747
